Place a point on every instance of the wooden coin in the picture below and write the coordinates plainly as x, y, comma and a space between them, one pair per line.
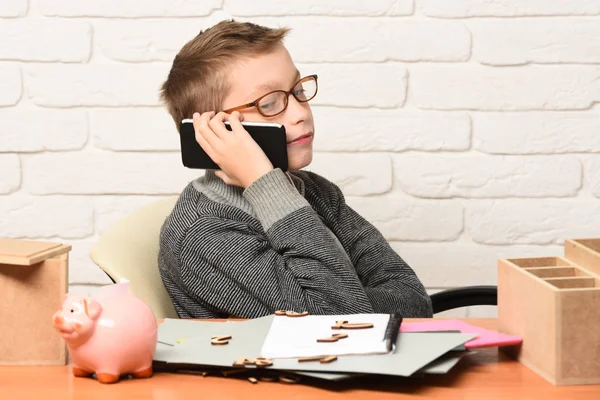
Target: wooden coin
307, 359
253, 379
295, 314
280, 312
327, 340
357, 326
328, 359
340, 335
339, 324
263, 362
242, 362
221, 337
219, 342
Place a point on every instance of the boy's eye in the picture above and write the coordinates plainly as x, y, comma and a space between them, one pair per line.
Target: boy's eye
266, 106
273, 103
300, 93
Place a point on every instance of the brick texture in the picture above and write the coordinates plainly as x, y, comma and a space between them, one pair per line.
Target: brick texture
317, 7
127, 9
464, 130
484, 176
507, 8
10, 85
13, 8
10, 173
32, 129
505, 89
39, 40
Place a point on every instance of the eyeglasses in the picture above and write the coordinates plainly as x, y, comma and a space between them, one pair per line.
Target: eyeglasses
275, 102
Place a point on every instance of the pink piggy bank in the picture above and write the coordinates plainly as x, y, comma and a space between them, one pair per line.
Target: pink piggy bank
109, 336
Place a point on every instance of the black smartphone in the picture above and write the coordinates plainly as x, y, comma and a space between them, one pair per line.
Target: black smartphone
269, 136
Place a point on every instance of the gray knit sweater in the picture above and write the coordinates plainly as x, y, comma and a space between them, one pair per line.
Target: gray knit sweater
289, 242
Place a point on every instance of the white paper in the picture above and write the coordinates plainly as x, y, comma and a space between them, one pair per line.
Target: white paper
291, 337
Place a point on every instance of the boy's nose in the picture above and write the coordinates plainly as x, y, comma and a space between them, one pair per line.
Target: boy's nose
297, 112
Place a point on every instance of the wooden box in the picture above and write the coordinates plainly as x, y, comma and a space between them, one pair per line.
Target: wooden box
553, 303
33, 283
584, 252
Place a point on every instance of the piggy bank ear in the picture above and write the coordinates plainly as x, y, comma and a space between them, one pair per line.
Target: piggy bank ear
92, 308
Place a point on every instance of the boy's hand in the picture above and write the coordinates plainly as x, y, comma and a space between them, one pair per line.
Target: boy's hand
241, 159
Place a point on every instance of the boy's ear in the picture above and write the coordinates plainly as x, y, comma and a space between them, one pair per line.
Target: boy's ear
92, 308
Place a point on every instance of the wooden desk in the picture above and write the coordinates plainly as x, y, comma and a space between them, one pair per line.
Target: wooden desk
487, 375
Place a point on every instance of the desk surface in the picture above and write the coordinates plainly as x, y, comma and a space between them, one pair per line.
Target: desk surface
486, 374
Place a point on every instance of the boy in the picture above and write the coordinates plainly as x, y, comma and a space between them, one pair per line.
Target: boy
247, 240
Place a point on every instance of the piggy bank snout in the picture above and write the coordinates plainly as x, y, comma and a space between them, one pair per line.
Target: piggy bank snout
62, 324
58, 320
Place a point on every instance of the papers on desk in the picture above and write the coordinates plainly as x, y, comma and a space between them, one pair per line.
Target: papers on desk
185, 344
485, 338
297, 337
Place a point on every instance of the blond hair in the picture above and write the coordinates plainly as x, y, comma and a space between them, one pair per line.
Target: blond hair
197, 79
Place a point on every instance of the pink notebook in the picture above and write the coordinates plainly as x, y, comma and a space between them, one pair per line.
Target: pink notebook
485, 338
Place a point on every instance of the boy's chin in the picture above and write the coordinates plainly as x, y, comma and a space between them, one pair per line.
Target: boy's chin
299, 162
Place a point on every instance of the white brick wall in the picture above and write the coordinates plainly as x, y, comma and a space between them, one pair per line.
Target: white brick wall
550, 42
507, 8
531, 87
127, 9
10, 85
477, 176
37, 39
370, 39
465, 130
13, 8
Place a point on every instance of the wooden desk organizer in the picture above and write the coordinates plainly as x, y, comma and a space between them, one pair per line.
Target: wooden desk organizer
553, 303
33, 283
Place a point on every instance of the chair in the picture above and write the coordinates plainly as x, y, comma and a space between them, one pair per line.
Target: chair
463, 297
130, 250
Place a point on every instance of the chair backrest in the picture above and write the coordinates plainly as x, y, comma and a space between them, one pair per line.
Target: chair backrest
129, 250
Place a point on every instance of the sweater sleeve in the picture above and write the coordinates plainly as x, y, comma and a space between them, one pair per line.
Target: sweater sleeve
293, 264
390, 284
